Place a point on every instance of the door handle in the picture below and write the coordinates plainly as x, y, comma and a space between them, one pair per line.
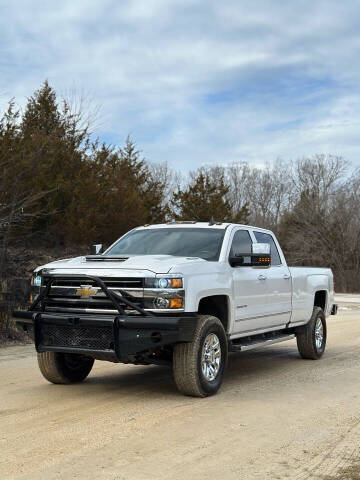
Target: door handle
262, 277
287, 276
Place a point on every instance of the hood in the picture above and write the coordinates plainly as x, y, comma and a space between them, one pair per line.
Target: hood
137, 265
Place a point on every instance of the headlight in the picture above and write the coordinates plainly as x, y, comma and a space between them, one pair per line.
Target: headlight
169, 282
165, 281
167, 302
164, 292
36, 280
161, 302
36, 283
162, 282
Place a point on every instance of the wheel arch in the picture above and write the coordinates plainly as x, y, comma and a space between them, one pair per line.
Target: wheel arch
321, 299
217, 305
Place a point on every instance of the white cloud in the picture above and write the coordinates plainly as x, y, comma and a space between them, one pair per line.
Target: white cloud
197, 81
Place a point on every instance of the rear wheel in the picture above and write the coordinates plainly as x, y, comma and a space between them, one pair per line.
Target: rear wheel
199, 365
64, 368
311, 338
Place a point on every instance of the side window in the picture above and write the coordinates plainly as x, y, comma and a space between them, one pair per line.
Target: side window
266, 238
241, 242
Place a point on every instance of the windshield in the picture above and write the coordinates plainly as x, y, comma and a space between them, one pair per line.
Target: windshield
180, 242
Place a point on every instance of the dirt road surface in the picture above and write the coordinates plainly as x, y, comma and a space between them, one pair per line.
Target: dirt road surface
276, 417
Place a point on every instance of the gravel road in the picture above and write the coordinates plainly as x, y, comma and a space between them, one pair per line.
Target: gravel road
276, 417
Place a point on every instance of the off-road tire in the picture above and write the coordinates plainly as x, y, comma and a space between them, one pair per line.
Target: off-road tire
64, 368
187, 370
305, 336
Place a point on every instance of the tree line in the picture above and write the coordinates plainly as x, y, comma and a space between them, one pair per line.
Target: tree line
60, 187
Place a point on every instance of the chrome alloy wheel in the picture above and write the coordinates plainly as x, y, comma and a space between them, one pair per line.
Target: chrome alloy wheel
211, 357
319, 333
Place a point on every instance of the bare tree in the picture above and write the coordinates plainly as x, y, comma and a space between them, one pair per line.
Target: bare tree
167, 179
81, 107
266, 191
322, 227
319, 175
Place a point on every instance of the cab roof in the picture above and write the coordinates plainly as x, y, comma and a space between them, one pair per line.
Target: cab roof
188, 224
194, 224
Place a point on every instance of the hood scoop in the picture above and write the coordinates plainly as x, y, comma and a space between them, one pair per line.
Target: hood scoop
105, 258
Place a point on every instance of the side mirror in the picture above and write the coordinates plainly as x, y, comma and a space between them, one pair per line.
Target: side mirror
259, 257
261, 248
96, 249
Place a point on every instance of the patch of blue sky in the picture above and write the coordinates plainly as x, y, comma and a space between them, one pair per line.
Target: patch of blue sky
300, 90
141, 134
282, 126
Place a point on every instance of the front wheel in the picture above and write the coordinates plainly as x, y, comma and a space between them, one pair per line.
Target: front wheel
199, 366
311, 338
64, 368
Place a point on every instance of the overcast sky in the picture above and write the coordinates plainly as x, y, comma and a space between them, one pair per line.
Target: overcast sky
197, 82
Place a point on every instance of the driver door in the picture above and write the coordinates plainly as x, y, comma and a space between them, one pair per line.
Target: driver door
249, 290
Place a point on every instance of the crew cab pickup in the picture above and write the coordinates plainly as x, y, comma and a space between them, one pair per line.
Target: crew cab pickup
183, 294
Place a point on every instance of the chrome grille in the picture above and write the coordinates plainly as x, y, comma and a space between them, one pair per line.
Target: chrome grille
124, 282
85, 296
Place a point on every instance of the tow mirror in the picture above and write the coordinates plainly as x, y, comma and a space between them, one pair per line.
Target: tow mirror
261, 249
96, 249
259, 257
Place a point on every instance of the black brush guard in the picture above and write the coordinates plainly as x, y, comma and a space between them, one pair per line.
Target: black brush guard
123, 337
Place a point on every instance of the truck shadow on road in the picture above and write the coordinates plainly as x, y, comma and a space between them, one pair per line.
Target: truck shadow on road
258, 365
243, 368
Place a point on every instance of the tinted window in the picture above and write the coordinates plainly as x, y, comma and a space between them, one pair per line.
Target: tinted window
180, 242
241, 243
266, 238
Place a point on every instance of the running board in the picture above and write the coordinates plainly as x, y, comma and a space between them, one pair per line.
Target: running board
249, 343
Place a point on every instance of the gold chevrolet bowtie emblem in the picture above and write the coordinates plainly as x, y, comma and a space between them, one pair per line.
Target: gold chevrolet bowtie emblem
86, 291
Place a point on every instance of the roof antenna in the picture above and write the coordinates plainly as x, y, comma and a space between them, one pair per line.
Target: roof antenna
212, 222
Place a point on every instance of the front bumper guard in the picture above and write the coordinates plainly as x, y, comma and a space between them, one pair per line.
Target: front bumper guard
123, 337
128, 336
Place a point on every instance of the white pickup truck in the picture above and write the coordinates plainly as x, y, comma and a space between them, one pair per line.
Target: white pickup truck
183, 294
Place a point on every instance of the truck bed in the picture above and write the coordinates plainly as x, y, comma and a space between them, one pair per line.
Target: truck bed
306, 280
